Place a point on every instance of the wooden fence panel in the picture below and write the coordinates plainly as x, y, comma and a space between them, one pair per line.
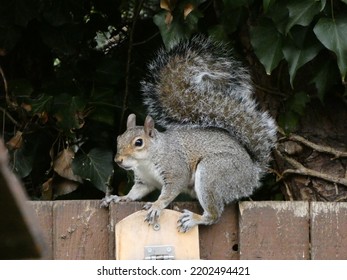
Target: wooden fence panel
44, 213
80, 230
274, 230
248, 230
329, 230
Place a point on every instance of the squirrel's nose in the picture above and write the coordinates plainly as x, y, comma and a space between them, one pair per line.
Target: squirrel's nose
118, 160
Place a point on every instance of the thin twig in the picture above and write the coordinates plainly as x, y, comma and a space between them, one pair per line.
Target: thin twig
5, 82
9, 116
271, 91
302, 170
147, 40
318, 148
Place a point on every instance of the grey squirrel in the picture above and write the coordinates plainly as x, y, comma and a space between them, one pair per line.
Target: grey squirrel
217, 143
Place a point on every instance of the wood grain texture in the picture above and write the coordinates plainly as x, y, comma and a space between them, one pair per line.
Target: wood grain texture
218, 241
328, 230
248, 230
274, 230
117, 212
80, 230
44, 213
133, 235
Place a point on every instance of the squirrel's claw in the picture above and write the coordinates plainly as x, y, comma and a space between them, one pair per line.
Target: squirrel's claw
152, 214
147, 205
107, 200
186, 221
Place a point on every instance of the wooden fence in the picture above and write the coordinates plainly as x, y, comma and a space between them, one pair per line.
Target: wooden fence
247, 230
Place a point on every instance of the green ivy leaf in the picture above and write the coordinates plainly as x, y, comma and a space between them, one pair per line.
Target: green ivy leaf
236, 3
68, 111
279, 14
323, 3
22, 162
109, 72
267, 4
96, 167
231, 18
302, 48
333, 35
41, 104
302, 12
325, 78
179, 28
267, 43
294, 109
23, 159
9, 36
104, 103
20, 88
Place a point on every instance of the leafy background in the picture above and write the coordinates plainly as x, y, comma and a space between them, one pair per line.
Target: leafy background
70, 73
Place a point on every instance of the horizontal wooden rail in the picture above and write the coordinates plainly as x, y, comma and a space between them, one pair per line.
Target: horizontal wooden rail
247, 230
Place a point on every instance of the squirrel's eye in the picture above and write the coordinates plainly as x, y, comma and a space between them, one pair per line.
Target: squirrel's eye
139, 142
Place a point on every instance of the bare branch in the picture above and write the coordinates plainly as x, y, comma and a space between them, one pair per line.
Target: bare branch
302, 170
318, 148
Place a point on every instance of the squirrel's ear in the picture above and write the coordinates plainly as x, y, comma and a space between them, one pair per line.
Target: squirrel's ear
149, 126
131, 122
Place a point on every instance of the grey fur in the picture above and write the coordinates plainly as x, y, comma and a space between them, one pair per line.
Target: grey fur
217, 92
217, 144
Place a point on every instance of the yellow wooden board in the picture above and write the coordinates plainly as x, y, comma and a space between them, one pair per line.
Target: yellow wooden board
134, 237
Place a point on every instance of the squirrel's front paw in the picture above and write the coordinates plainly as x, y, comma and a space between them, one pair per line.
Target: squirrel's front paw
186, 221
153, 213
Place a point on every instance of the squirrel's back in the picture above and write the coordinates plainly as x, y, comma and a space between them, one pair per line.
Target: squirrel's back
199, 84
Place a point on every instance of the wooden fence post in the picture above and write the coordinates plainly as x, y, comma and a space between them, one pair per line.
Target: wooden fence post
274, 230
80, 230
328, 230
44, 213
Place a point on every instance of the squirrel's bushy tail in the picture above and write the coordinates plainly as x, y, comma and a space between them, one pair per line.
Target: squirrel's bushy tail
198, 83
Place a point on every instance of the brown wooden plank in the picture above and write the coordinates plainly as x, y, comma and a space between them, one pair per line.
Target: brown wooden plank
44, 213
218, 241
274, 230
328, 230
80, 230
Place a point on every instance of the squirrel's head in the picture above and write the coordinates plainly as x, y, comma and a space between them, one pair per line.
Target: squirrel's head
134, 143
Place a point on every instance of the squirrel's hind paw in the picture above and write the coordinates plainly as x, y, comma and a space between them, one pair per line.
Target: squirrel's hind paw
187, 221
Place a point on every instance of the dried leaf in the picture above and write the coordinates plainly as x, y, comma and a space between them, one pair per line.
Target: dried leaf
26, 107
16, 142
62, 165
168, 19
188, 9
47, 190
44, 117
168, 5
165, 4
63, 186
